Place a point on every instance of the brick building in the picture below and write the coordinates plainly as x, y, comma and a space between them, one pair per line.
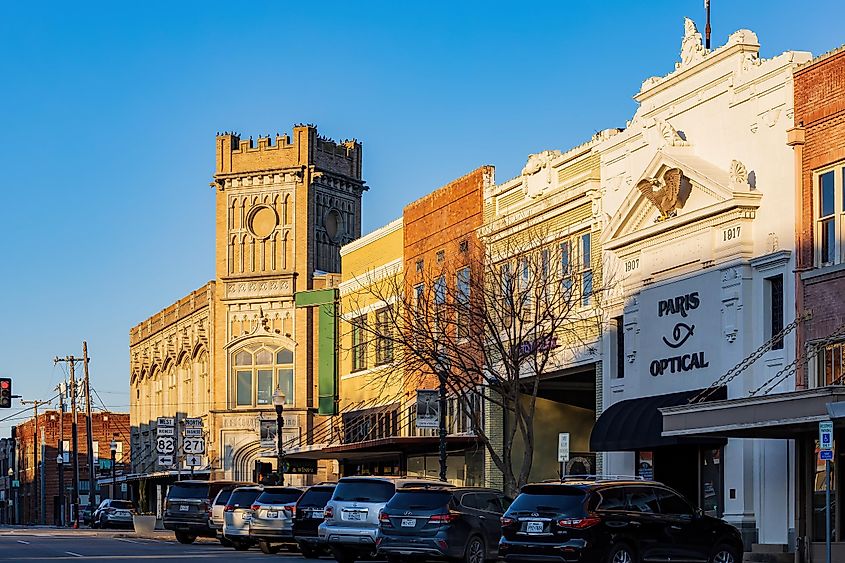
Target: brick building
37, 455
819, 143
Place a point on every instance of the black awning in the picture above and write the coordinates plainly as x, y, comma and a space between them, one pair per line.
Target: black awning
637, 424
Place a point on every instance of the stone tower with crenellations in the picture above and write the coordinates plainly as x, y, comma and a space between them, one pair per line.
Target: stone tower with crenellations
284, 207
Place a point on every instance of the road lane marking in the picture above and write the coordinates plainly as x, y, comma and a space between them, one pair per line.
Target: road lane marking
73, 554
126, 540
23, 542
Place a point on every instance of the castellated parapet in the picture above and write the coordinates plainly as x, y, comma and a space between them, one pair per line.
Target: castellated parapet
306, 148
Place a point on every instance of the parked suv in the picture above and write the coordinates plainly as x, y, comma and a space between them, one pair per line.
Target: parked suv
215, 514
237, 514
113, 513
351, 516
307, 516
457, 523
613, 521
272, 518
186, 508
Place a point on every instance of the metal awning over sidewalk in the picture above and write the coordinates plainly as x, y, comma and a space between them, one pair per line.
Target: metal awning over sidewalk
780, 415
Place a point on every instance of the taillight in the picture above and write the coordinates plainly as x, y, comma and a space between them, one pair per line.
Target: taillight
578, 523
384, 520
506, 521
444, 518
328, 513
254, 507
111, 510
229, 508
291, 508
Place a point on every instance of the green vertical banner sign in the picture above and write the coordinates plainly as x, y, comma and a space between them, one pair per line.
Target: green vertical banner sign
326, 301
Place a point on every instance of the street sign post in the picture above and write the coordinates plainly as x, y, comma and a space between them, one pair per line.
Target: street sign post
428, 408
193, 446
193, 423
826, 454
562, 451
193, 460
165, 460
193, 432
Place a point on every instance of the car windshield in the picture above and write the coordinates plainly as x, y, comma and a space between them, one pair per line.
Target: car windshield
282, 496
121, 504
222, 497
243, 497
559, 499
188, 492
419, 500
316, 496
364, 490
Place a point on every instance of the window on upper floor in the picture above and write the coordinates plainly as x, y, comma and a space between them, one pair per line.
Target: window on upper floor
586, 269
258, 370
830, 361
462, 295
830, 215
441, 256
359, 343
774, 309
384, 336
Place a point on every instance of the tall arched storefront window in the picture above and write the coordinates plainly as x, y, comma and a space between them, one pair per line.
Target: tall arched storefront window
258, 369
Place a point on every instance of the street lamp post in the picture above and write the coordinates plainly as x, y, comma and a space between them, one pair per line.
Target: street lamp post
11, 474
442, 371
60, 460
113, 449
279, 403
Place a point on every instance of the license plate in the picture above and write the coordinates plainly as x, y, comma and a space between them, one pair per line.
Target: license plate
354, 515
272, 514
409, 522
245, 515
184, 508
317, 514
534, 527
122, 513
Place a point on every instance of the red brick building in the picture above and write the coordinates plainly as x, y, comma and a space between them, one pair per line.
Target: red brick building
819, 142
441, 240
38, 452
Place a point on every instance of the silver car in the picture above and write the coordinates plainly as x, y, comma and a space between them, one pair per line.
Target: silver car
113, 513
351, 516
215, 515
237, 514
271, 524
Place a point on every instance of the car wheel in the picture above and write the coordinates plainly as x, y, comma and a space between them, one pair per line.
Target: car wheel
225, 543
240, 545
724, 554
268, 548
343, 556
621, 553
309, 552
185, 538
475, 552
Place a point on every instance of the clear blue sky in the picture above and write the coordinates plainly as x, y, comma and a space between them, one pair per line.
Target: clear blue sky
109, 114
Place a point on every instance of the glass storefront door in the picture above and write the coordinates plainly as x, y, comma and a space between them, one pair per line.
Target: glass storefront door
711, 493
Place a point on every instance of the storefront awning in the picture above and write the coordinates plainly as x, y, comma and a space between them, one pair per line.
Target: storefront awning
380, 447
636, 424
780, 415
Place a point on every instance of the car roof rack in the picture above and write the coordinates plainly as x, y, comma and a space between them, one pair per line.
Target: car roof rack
599, 478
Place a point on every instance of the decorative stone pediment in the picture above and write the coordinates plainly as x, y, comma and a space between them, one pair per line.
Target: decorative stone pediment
677, 186
692, 50
537, 174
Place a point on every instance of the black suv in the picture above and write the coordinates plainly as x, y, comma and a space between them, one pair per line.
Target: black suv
187, 508
613, 521
455, 523
307, 517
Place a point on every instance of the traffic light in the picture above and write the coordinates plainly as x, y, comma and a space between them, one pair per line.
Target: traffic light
5, 393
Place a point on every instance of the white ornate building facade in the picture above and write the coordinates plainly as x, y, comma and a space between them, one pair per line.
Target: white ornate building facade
699, 198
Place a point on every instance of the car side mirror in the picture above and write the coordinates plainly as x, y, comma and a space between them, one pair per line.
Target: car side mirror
699, 513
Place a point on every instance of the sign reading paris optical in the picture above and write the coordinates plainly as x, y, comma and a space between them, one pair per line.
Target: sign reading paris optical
681, 327
678, 307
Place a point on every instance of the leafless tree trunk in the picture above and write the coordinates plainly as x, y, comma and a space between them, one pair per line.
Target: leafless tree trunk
496, 318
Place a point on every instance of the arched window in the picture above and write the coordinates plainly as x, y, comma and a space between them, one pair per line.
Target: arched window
258, 369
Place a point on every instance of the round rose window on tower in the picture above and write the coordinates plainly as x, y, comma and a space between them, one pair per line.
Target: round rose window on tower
262, 222
333, 224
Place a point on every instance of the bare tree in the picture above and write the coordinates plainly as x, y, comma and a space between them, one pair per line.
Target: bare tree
495, 319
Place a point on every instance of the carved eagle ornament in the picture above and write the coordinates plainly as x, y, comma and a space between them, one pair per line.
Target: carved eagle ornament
663, 193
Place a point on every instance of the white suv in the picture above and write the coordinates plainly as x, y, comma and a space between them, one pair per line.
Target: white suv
351, 516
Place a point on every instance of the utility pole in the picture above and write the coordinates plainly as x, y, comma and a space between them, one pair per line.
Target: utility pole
74, 501
62, 389
92, 476
36, 481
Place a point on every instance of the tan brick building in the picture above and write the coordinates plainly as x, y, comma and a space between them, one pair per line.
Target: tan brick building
284, 207
38, 470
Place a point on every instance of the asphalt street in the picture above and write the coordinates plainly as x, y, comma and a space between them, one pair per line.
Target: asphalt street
43, 544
